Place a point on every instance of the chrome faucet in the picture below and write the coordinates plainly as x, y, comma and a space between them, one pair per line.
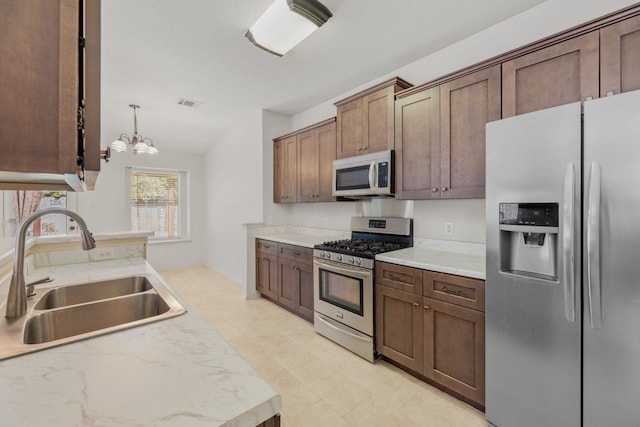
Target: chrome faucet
17, 297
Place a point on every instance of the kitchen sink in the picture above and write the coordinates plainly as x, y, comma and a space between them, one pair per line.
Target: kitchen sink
81, 319
87, 292
76, 312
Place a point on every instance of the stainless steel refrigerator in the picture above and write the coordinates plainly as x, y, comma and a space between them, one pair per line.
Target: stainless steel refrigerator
563, 266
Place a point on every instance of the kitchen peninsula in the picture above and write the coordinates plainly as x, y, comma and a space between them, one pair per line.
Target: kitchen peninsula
175, 372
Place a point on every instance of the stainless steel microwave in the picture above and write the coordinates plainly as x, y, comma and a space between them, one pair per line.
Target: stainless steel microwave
365, 175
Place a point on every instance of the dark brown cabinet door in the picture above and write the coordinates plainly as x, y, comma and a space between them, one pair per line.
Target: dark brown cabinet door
304, 305
327, 154
289, 283
466, 105
285, 153
399, 326
464, 291
349, 129
559, 74
377, 126
620, 57
308, 166
267, 275
454, 352
41, 86
417, 136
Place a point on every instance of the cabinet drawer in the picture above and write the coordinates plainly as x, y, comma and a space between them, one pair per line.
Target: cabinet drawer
266, 247
406, 279
458, 290
297, 253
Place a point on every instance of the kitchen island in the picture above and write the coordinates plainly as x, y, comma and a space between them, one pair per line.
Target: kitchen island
175, 372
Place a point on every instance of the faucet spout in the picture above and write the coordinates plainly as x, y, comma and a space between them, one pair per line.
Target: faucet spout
17, 296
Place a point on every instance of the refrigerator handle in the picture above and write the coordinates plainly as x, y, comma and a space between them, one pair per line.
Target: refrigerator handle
568, 246
593, 246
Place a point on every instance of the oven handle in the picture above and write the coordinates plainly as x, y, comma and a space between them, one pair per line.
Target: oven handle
341, 330
355, 271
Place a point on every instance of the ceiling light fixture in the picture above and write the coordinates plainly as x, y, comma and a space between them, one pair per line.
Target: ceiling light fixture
140, 144
286, 23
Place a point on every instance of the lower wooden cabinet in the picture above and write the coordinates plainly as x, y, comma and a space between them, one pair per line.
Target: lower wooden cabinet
453, 338
434, 338
284, 275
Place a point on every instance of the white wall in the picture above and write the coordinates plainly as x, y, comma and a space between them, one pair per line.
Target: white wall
107, 208
233, 183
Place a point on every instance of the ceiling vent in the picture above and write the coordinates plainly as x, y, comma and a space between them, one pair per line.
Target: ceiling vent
189, 103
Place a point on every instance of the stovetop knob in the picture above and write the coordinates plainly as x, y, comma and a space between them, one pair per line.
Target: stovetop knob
339, 257
328, 255
352, 260
359, 261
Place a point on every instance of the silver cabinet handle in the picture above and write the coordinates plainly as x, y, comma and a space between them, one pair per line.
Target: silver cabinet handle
452, 292
434, 190
593, 246
568, 247
415, 304
426, 307
445, 188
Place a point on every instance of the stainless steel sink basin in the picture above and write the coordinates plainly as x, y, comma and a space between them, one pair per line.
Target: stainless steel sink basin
81, 319
94, 291
81, 311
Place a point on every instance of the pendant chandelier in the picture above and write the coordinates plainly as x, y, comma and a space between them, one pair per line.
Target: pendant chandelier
139, 144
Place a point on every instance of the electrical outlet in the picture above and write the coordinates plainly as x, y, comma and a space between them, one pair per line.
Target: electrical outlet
269, 220
325, 221
448, 228
102, 254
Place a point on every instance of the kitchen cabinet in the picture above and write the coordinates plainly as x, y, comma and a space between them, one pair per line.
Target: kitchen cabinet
620, 57
316, 153
440, 136
433, 324
284, 275
267, 268
285, 154
559, 74
303, 162
50, 120
365, 121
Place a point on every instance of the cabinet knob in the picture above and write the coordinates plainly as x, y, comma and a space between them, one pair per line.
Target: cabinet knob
444, 188
415, 304
364, 148
434, 190
426, 307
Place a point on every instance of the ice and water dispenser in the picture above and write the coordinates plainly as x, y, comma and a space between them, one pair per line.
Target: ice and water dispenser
529, 239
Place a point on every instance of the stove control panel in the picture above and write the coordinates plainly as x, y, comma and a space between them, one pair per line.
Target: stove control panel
343, 259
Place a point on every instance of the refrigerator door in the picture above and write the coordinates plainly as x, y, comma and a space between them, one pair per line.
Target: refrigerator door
532, 323
611, 337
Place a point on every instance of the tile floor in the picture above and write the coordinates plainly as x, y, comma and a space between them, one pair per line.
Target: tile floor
321, 383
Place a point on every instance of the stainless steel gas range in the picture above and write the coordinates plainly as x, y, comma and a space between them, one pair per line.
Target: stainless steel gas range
344, 279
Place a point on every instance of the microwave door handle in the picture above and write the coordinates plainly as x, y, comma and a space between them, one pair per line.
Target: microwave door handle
372, 175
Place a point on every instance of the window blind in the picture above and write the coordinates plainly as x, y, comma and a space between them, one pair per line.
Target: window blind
155, 203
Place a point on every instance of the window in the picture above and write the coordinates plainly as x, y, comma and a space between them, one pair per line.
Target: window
157, 202
18, 205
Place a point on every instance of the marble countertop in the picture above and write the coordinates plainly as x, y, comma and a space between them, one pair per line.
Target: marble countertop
462, 259
175, 372
300, 239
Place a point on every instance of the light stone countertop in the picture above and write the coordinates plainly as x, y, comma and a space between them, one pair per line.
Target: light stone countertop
175, 372
462, 259
303, 239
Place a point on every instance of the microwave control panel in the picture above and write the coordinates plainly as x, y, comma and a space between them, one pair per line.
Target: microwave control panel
383, 174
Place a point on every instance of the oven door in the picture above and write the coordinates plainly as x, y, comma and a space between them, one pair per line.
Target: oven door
344, 294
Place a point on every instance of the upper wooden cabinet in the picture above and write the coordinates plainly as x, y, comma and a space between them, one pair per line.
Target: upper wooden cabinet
440, 137
50, 87
316, 153
285, 154
559, 74
303, 162
365, 121
620, 57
